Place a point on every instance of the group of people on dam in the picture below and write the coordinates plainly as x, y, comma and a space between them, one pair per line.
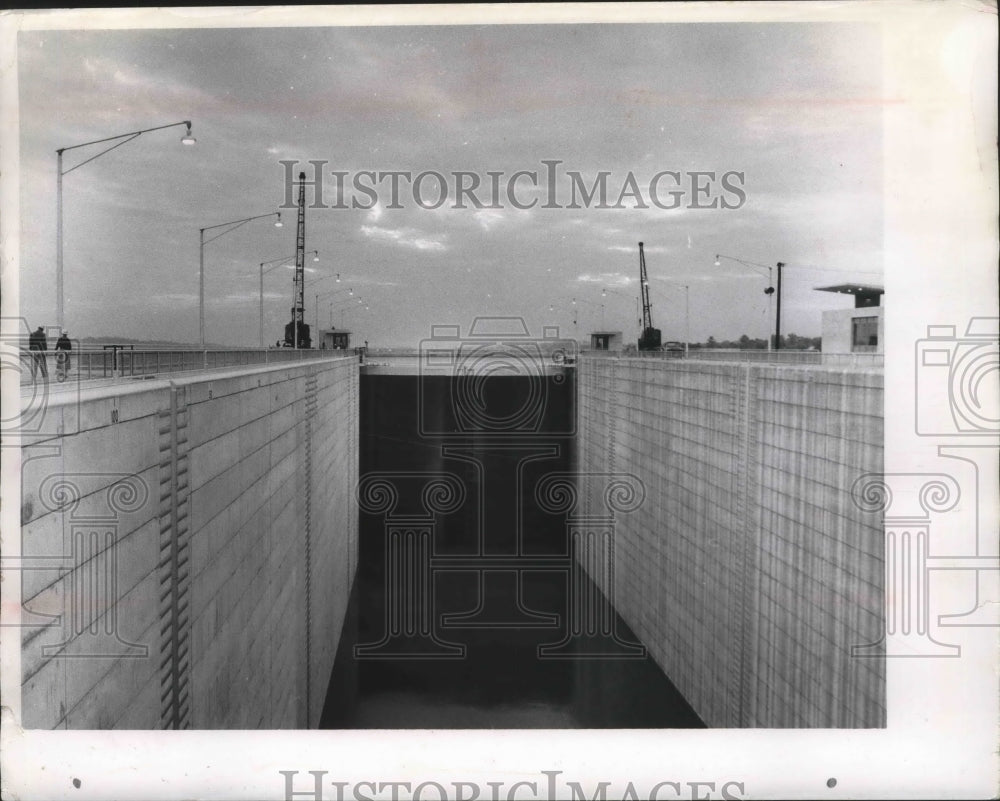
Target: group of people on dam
38, 345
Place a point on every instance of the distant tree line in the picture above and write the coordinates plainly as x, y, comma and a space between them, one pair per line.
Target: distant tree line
788, 342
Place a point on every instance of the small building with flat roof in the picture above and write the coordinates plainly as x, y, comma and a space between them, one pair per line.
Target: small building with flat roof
334, 339
857, 330
606, 340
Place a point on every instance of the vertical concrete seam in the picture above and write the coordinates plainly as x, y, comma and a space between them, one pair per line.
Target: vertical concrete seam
617, 418
748, 601
168, 525
355, 440
184, 567
310, 412
174, 565
743, 529
612, 415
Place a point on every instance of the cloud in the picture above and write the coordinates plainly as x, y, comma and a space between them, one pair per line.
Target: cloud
607, 279
407, 237
635, 248
507, 96
237, 297
373, 282
110, 74
487, 218
173, 299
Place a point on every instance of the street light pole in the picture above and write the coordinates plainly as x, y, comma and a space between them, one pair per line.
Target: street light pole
276, 262
330, 293
201, 287
344, 309
687, 318
769, 291
187, 139
59, 240
777, 317
604, 294
230, 226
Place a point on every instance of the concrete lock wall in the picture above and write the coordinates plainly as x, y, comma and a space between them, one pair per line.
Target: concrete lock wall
189, 549
747, 572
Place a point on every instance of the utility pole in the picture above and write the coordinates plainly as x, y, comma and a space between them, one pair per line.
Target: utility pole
60, 319
687, 317
777, 318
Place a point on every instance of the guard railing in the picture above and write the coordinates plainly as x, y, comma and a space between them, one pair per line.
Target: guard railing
127, 362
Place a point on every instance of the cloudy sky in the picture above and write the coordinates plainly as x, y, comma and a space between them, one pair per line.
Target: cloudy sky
796, 108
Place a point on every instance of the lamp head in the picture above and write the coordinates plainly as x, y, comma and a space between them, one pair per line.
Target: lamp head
277, 223
717, 261
188, 139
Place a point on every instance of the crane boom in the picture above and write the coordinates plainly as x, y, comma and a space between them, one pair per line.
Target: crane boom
297, 331
649, 339
647, 318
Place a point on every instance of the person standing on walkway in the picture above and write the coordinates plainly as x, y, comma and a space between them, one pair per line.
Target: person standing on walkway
63, 348
37, 344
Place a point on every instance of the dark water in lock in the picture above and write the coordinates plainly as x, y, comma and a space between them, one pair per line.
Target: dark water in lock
457, 590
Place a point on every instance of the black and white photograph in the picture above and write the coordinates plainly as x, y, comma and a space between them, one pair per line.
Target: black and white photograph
484, 403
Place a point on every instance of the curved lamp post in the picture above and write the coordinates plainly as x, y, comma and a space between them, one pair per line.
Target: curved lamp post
230, 226
349, 307
125, 138
589, 303
329, 293
769, 291
638, 314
